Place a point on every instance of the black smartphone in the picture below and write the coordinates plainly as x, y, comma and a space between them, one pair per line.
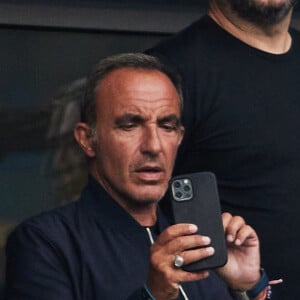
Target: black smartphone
195, 199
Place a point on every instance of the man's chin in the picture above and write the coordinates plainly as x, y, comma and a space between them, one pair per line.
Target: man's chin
261, 14
148, 198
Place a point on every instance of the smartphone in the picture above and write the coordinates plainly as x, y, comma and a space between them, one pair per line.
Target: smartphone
195, 199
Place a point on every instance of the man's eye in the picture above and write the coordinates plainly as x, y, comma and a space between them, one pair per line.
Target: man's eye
128, 126
169, 127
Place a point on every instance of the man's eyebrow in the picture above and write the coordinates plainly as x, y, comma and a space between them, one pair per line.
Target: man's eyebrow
137, 119
170, 119
128, 117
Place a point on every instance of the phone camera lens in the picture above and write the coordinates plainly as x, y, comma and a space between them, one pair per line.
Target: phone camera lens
178, 194
177, 184
186, 188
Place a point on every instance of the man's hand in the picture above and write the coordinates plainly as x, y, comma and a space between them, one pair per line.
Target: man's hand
242, 269
163, 277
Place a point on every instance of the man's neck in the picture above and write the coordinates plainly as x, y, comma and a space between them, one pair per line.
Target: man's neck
143, 213
146, 218
273, 39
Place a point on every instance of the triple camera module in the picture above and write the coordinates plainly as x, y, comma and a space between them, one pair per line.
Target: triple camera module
182, 189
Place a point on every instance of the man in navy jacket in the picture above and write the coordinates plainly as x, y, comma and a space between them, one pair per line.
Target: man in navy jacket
115, 243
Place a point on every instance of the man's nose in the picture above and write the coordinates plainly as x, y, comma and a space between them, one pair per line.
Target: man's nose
151, 143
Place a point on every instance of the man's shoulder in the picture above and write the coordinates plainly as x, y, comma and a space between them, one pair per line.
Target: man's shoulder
53, 216
295, 33
197, 45
198, 34
52, 223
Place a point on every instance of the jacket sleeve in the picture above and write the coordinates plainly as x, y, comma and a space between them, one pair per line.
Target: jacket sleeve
34, 268
137, 295
141, 295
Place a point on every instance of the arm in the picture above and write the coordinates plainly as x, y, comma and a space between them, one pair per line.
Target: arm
242, 271
34, 269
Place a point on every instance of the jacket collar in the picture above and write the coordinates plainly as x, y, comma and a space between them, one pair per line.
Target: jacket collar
106, 211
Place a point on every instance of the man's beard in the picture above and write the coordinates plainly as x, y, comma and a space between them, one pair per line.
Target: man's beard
261, 14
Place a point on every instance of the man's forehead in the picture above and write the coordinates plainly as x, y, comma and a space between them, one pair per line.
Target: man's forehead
148, 111
138, 92
136, 81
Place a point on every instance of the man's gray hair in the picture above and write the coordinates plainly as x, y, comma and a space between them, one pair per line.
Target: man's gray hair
111, 63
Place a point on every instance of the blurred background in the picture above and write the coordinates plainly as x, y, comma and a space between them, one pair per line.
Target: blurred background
47, 48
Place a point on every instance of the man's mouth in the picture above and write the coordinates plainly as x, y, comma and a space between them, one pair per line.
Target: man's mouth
150, 173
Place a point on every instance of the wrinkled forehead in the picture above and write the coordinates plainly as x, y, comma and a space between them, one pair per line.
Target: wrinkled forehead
137, 91
149, 111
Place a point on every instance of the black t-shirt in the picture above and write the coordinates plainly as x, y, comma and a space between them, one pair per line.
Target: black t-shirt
242, 119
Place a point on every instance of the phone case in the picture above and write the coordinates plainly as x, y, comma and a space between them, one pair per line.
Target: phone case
195, 199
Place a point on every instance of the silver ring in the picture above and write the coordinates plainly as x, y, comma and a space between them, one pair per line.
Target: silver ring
178, 261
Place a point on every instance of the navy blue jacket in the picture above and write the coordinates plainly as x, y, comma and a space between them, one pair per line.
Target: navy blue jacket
91, 249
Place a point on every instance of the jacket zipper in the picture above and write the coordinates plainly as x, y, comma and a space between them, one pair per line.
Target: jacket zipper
152, 241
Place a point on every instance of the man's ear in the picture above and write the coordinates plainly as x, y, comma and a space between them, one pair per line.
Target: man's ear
181, 134
83, 136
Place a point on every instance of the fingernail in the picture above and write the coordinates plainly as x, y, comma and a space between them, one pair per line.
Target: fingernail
238, 242
206, 239
193, 228
205, 274
210, 250
230, 238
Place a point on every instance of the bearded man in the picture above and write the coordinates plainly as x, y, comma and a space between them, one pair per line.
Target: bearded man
239, 65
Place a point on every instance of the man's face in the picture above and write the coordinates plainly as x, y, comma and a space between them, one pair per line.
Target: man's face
262, 12
138, 131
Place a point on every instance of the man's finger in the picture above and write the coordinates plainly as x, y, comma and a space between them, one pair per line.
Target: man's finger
175, 231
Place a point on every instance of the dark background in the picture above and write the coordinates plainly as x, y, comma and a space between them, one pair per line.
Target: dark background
46, 46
